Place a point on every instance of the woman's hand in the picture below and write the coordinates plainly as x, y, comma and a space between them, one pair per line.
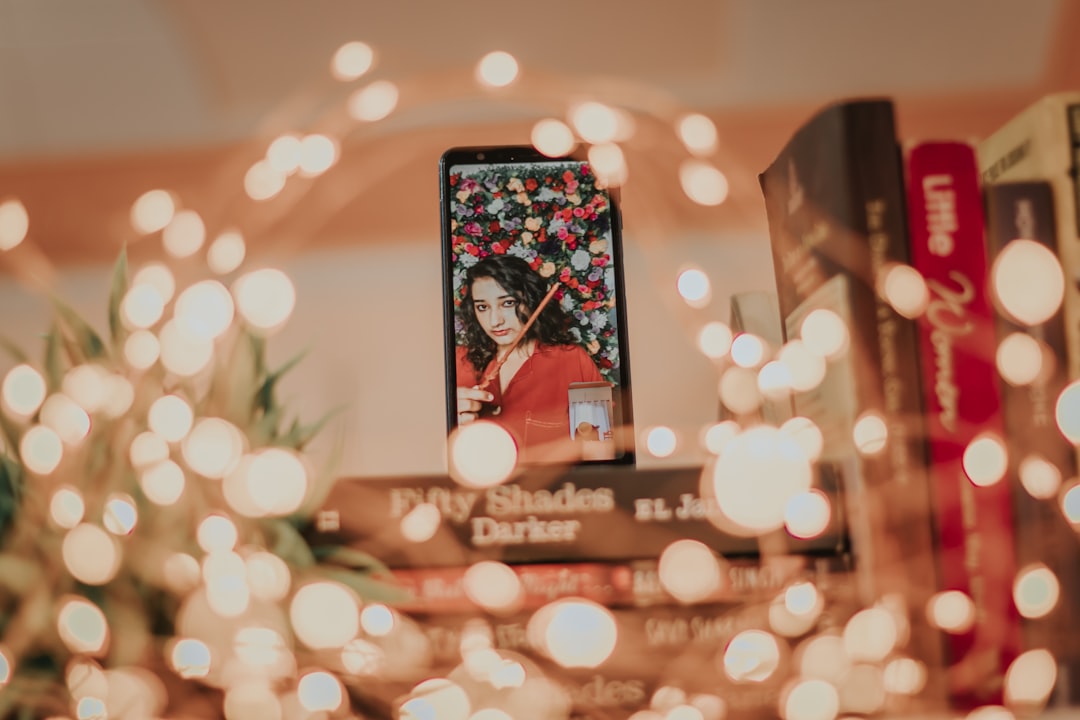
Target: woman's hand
469, 403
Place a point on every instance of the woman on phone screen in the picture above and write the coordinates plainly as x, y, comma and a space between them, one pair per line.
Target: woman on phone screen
529, 397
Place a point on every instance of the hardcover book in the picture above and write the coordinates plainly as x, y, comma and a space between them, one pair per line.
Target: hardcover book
834, 198
962, 402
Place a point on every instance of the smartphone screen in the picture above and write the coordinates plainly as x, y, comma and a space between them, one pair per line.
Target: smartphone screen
534, 305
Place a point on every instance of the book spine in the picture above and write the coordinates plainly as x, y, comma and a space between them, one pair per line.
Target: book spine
962, 402
1026, 210
445, 590
835, 201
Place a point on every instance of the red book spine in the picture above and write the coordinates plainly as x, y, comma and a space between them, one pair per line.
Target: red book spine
962, 401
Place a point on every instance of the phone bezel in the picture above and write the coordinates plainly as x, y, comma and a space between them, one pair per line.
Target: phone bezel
527, 154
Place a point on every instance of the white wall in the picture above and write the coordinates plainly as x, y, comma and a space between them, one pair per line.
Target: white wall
372, 318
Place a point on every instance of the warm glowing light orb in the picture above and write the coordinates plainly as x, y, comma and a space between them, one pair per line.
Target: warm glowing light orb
595, 122
82, 626
807, 434
1027, 302
774, 379
985, 460
213, 447
41, 450
1040, 478
361, 657
990, 712
147, 448
320, 691
810, 700
90, 554
497, 69
277, 481
318, 153
142, 306
747, 350
715, 340
801, 598
1019, 359
1036, 591
751, 656
694, 287
825, 334
739, 390
823, 657
807, 514
352, 60
141, 349
703, 183
1070, 504
170, 417
163, 482
204, 310
283, 154
23, 390
190, 658
181, 353
870, 635
252, 700
265, 299
324, 615
905, 289
689, 571
120, 515
152, 211
1067, 412
377, 620
1030, 678
66, 507
7, 667
698, 133
870, 434
182, 572
184, 235
608, 164
807, 369
436, 699
263, 181
553, 138
70, 422
158, 276
217, 533
718, 435
482, 454
661, 441
227, 251
579, 633
14, 223
952, 611
421, 523
374, 102
268, 576
904, 676
493, 586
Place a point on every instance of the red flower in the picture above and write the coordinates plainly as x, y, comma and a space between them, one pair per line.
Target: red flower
535, 263
498, 249
563, 233
572, 282
595, 262
496, 194
568, 176
589, 305
531, 184
565, 275
567, 214
571, 241
605, 363
472, 249
454, 179
585, 169
493, 226
579, 212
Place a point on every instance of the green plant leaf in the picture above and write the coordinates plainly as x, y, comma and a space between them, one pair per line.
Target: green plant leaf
265, 429
54, 362
300, 435
366, 586
350, 558
235, 382
289, 545
83, 342
264, 398
117, 290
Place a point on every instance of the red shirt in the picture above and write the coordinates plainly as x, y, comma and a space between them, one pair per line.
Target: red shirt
535, 406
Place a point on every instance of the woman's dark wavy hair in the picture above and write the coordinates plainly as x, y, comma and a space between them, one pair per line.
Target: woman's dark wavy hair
515, 276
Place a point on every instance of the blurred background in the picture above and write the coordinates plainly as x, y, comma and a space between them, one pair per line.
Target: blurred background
101, 102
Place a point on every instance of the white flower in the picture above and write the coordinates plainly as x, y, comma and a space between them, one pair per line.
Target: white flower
609, 278
495, 206
567, 303
467, 260
598, 319
580, 259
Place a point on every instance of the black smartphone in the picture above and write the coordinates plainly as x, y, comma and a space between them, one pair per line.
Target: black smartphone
533, 301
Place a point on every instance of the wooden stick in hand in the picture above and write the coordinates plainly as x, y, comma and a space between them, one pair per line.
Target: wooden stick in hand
493, 371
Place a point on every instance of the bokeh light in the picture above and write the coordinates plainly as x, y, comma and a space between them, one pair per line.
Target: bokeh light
374, 102
1039, 477
482, 454
324, 615
120, 516
82, 626
747, 350
807, 369
283, 154
217, 533
576, 633
497, 69
320, 691
823, 657
263, 181
1027, 302
739, 390
265, 299
952, 611
493, 586
142, 306
87, 385
904, 676
807, 514
807, 434
1067, 412
277, 481
697, 133
156, 275
204, 310
905, 289
661, 441
141, 349
213, 447
595, 122
190, 658
1070, 504
184, 235
985, 460
751, 656
694, 287
774, 379
608, 164
352, 60
41, 450
7, 667
152, 211
147, 448
825, 334
377, 620
90, 554
689, 571
870, 635
1031, 678
810, 700
163, 482
318, 153
718, 435
421, 523
1019, 359
714, 339
23, 390
436, 699
870, 434
1036, 591
66, 507
14, 223
228, 250
703, 183
268, 576
553, 138
170, 417
181, 353
67, 419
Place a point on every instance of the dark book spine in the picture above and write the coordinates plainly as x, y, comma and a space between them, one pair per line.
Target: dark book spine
835, 203
963, 402
1025, 210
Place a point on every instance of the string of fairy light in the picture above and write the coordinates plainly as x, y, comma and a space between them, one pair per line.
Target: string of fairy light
243, 606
